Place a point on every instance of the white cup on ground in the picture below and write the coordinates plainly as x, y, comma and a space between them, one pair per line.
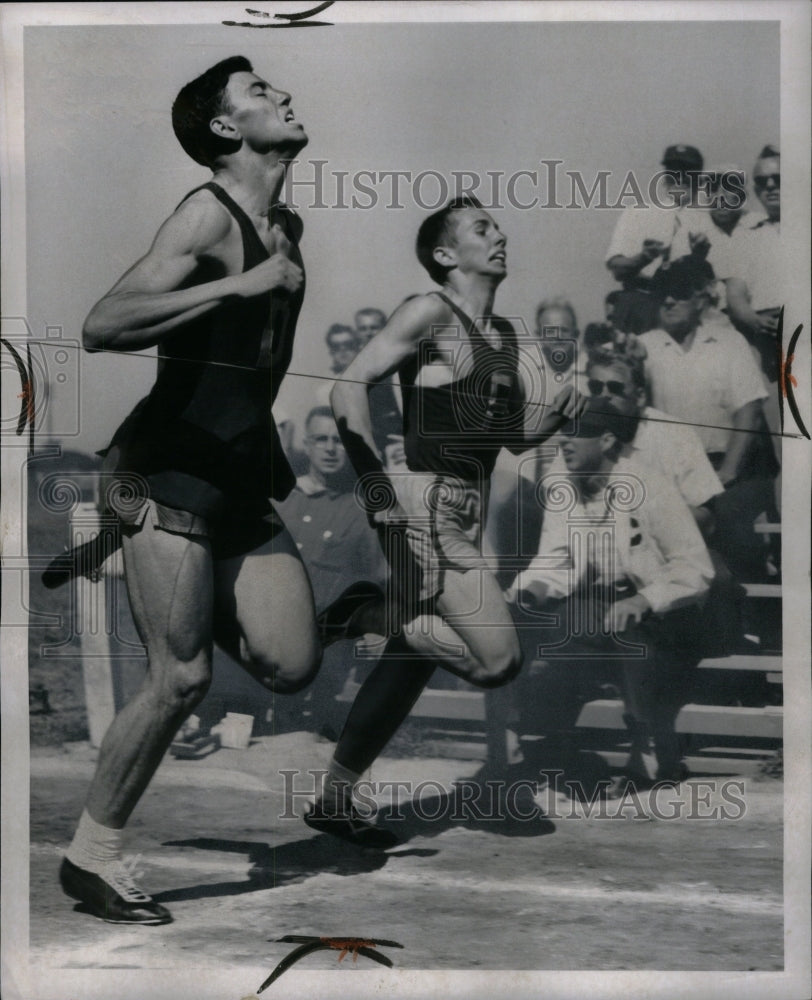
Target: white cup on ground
236, 730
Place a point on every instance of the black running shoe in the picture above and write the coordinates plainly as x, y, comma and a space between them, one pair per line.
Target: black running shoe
351, 827
114, 898
334, 623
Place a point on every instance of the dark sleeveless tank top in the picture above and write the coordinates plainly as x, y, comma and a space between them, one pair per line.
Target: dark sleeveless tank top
459, 428
204, 438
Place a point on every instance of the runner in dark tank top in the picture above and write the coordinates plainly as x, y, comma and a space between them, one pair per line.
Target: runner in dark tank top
206, 558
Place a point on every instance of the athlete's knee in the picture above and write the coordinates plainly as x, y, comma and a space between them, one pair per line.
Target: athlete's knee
498, 668
185, 684
285, 672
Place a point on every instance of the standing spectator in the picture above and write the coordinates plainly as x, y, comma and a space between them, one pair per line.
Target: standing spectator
756, 287
712, 232
342, 344
642, 240
704, 374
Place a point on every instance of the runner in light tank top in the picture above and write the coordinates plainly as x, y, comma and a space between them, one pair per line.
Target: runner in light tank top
463, 401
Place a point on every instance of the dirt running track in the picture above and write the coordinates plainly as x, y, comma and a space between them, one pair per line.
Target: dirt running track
588, 894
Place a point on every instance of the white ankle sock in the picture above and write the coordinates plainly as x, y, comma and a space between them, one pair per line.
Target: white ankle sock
337, 787
94, 846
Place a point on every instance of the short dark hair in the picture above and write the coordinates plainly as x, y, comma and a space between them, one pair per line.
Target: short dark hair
318, 411
612, 359
770, 152
682, 278
370, 311
337, 328
437, 230
201, 100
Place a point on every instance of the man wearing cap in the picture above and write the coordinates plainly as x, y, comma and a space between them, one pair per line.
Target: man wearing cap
622, 566
642, 239
703, 373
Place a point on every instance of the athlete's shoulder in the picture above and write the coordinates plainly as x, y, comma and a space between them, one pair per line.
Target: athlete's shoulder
430, 308
201, 219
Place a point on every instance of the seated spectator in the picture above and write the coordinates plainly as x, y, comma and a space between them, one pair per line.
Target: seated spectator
607, 335
557, 330
514, 522
675, 452
672, 449
336, 543
622, 570
642, 240
704, 374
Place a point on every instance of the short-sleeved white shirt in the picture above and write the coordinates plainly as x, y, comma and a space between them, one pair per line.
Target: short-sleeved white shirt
645, 223
755, 257
706, 384
673, 451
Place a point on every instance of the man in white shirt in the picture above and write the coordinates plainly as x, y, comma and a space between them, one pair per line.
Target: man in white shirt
672, 449
642, 238
704, 374
755, 285
622, 567
756, 282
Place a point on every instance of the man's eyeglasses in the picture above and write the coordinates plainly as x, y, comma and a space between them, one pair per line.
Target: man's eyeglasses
595, 386
763, 180
346, 345
323, 440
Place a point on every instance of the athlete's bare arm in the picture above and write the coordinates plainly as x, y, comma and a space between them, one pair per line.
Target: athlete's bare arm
398, 340
148, 302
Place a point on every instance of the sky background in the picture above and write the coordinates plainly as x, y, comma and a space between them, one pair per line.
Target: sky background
103, 168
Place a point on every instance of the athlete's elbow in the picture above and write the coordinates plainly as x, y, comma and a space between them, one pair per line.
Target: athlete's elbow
93, 335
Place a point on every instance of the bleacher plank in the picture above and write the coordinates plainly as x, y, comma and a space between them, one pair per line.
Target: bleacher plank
763, 589
719, 720
744, 661
716, 720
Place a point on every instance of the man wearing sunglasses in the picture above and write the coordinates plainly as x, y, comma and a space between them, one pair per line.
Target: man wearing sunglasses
659, 443
704, 374
755, 288
640, 584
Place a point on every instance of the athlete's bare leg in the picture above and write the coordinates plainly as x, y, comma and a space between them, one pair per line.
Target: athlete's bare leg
170, 585
264, 616
475, 638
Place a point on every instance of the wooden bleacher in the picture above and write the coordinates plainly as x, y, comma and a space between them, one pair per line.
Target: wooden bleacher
464, 715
